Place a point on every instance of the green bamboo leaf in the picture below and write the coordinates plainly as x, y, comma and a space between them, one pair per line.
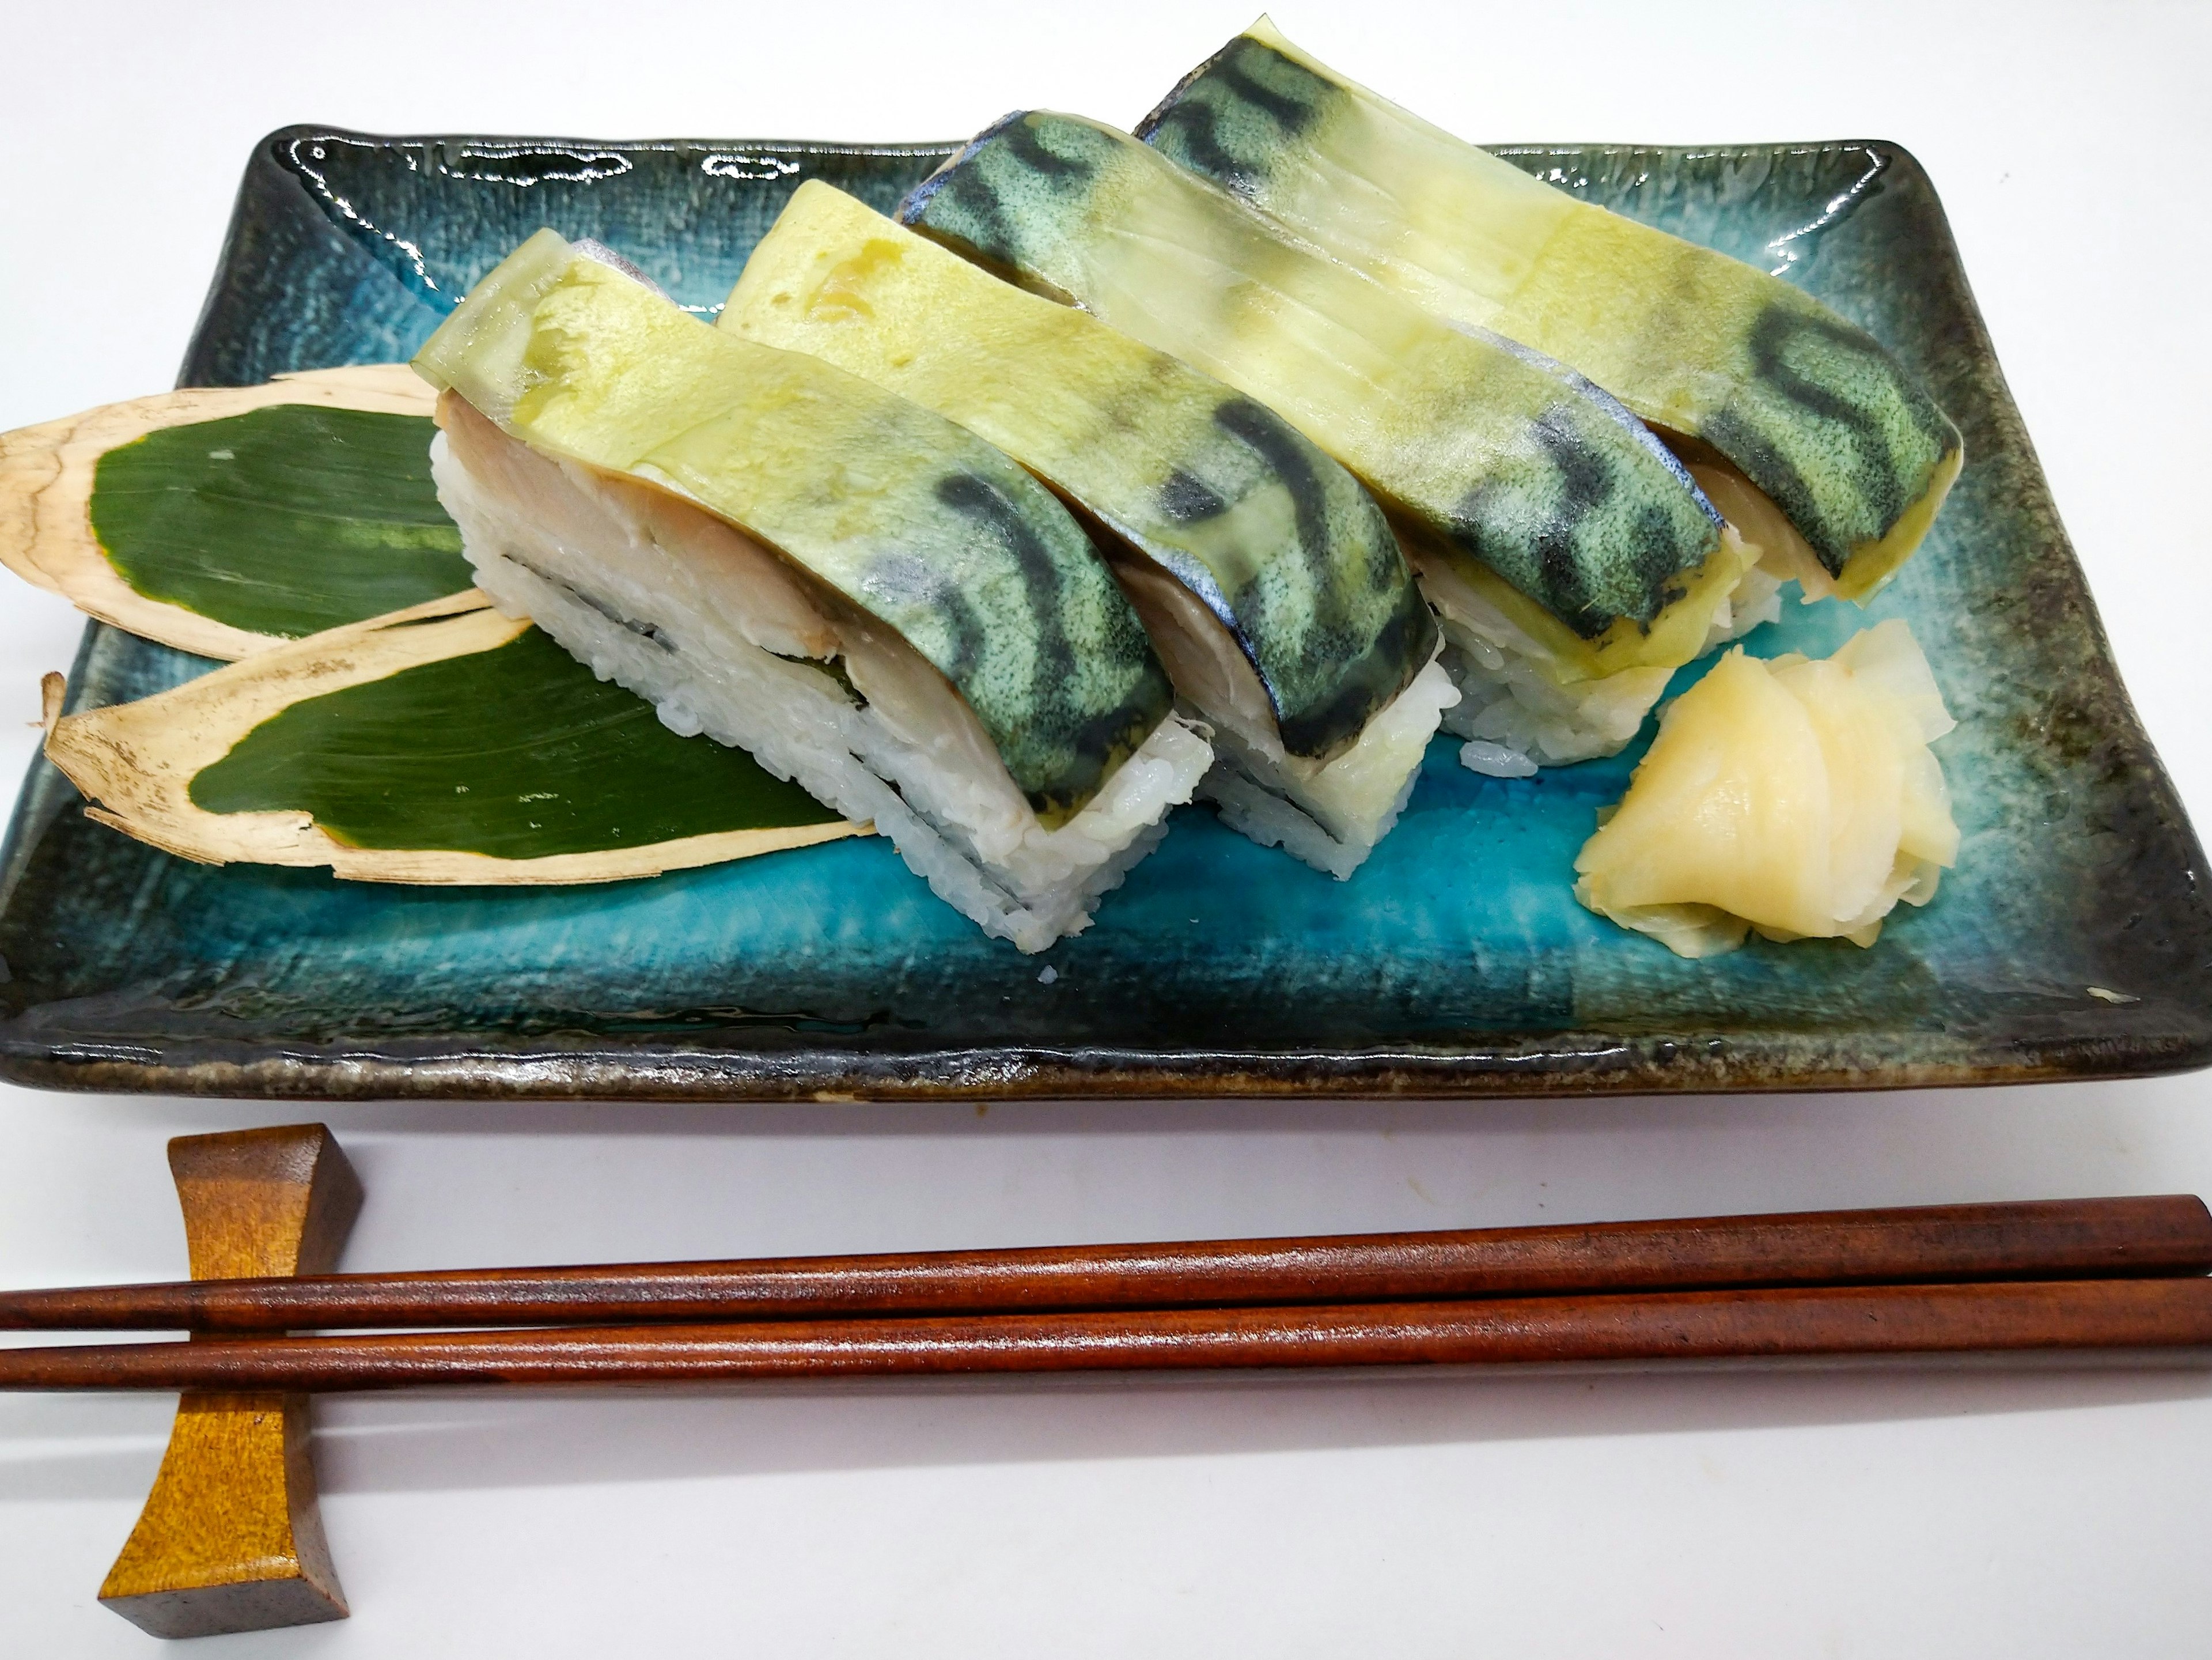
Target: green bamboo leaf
444, 744
224, 521
285, 520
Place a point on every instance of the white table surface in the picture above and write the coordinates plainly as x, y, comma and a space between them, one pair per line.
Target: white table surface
2054, 1514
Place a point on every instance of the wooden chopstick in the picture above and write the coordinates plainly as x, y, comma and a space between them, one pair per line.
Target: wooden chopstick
2049, 1240
1779, 1322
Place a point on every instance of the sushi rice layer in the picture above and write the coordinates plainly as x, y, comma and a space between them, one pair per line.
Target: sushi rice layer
672, 604
1329, 817
1520, 709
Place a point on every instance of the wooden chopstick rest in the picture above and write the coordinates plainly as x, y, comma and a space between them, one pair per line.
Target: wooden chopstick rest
231, 1538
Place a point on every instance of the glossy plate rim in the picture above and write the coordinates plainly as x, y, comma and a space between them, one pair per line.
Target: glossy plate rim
749, 1064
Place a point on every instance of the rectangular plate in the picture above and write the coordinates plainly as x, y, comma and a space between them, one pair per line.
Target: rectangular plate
1456, 962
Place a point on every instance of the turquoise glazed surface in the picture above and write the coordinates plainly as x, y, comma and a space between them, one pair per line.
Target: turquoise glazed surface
1454, 962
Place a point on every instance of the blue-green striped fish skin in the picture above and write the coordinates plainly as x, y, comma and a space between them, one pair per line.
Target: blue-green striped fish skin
1287, 550
1334, 635
902, 514
1565, 503
1818, 415
1238, 112
964, 203
1829, 428
1083, 690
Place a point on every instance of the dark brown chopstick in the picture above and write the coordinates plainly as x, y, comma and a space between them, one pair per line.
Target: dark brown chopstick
2053, 1239
2129, 1314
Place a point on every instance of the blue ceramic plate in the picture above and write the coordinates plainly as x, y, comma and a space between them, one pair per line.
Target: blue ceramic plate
2074, 939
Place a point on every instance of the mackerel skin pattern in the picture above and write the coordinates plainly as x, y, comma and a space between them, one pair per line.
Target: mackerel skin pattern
1330, 618
1480, 447
914, 520
1282, 544
1807, 406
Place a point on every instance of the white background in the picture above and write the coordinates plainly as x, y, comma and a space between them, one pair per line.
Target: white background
2037, 1514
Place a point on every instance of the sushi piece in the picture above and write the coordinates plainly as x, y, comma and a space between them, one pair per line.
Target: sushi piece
1795, 797
870, 600
1572, 560
1755, 379
1268, 580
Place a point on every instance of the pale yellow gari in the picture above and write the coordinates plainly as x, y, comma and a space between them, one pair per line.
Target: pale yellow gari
1796, 797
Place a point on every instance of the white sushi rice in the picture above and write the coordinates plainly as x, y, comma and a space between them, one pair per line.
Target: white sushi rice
576, 555
1330, 816
1517, 718
1330, 812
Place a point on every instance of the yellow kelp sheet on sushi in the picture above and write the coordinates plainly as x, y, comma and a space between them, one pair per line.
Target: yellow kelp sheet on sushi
445, 743
795, 561
1267, 578
226, 520
1759, 377
1571, 558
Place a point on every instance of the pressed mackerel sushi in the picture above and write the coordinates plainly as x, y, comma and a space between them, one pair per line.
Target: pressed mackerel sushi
1267, 578
1796, 797
870, 600
1768, 391
1572, 559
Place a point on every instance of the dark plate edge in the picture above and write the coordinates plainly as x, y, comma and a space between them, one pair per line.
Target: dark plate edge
1561, 1064
2005, 410
267, 183
1557, 1064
